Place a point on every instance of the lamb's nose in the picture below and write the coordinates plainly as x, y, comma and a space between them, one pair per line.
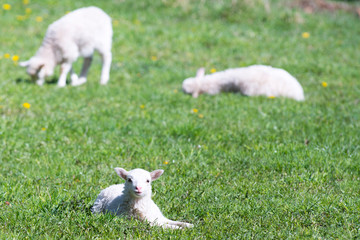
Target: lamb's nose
138, 188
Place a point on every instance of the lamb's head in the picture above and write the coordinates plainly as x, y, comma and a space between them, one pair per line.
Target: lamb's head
138, 181
37, 68
192, 85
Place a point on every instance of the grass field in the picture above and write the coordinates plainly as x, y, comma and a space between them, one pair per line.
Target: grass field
236, 167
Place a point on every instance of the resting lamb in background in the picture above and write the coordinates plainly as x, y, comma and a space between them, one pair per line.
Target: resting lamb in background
76, 34
133, 199
251, 81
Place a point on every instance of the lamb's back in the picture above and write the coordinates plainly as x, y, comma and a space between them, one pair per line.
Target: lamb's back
269, 81
88, 28
105, 199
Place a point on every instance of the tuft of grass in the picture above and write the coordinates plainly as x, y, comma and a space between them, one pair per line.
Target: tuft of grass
240, 167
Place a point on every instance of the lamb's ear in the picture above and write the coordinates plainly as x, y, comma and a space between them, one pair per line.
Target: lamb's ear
121, 172
156, 174
200, 72
24, 64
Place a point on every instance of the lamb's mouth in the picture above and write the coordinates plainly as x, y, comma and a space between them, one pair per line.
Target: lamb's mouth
138, 193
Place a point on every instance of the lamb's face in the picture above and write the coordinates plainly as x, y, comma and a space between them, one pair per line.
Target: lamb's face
36, 68
190, 86
138, 183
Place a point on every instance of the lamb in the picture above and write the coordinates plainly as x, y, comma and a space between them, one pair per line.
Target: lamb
78, 33
133, 199
253, 80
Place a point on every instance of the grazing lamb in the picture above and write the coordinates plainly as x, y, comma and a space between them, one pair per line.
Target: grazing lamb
78, 33
133, 199
251, 81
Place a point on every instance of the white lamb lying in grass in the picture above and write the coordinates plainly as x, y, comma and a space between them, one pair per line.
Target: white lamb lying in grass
251, 81
78, 33
133, 199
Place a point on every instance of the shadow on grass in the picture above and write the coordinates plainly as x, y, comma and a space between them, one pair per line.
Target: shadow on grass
29, 81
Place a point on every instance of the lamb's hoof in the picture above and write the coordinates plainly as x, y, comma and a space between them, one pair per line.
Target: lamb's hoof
188, 225
74, 78
40, 82
103, 82
78, 82
61, 85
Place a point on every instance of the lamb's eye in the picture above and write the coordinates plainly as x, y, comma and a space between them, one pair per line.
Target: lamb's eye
148, 181
129, 180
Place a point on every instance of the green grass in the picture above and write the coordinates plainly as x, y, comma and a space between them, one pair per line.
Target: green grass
241, 171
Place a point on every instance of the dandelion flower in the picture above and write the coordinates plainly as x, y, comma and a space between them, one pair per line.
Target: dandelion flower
15, 58
142, 106
27, 105
6, 55
28, 10
201, 115
26, 2
194, 110
165, 162
153, 58
175, 91
115, 23
6, 6
271, 97
324, 84
39, 19
305, 35
212, 70
20, 18
43, 129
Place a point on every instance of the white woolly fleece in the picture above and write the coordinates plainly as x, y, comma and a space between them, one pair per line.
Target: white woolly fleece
254, 80
133, 199
78, 33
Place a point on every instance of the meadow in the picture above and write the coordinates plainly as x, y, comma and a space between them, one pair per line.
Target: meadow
236, 167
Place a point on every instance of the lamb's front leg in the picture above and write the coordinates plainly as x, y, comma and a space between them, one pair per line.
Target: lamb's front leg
65, 69
167, 223
179, 224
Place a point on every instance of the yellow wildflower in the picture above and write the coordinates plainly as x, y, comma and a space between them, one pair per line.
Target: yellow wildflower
28, 10
43, 129
20, 18
142, 106
305, 35
153, 58
27, 105
26, 2
15, 58
212, 70
201, 115
165, 162
6, 55
115, 23
272, 97
324, 84
6, 6
194, 110
39, 19
175, 90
